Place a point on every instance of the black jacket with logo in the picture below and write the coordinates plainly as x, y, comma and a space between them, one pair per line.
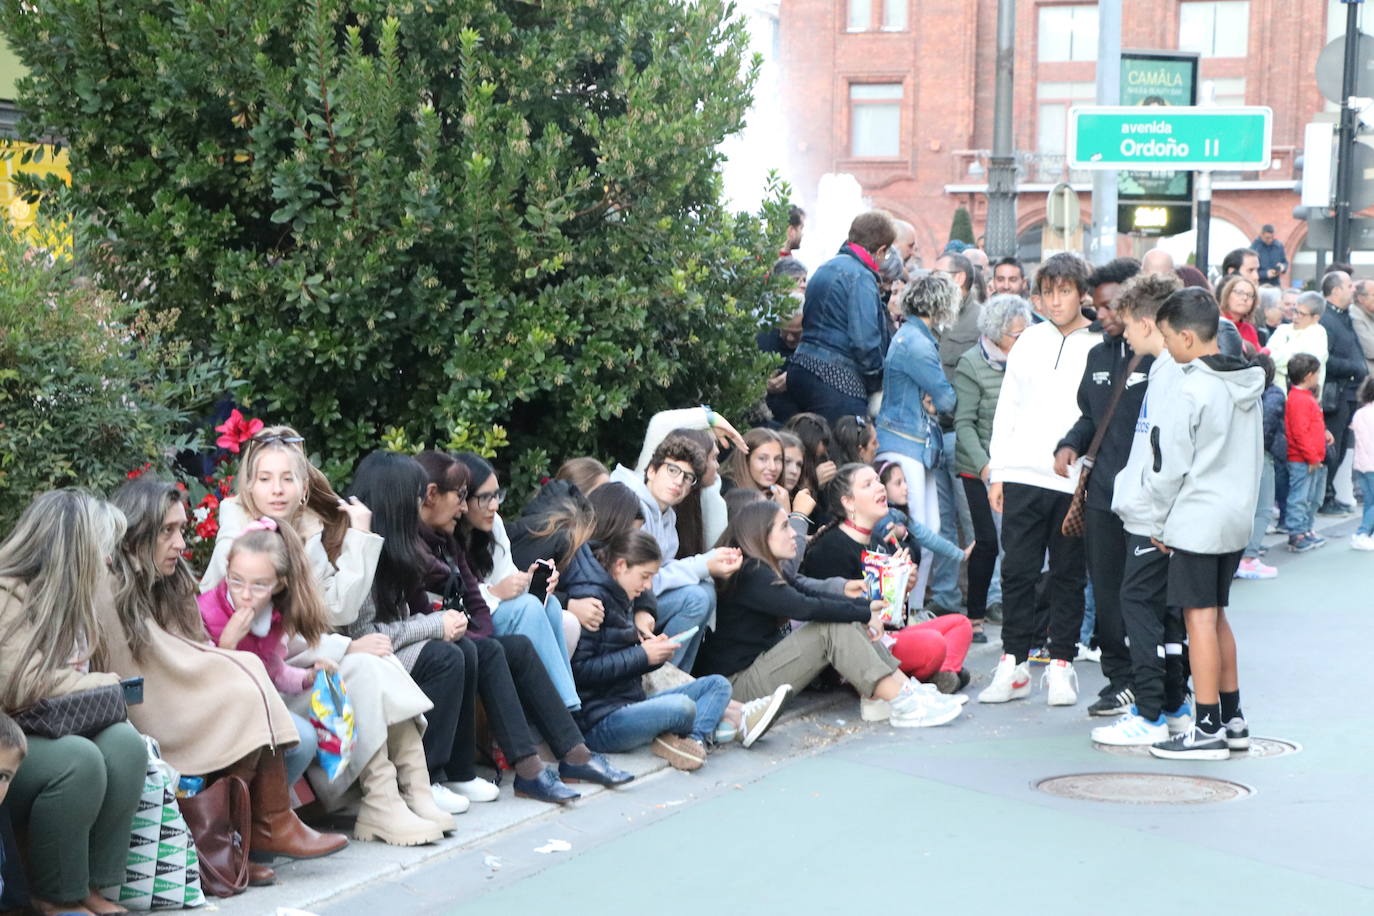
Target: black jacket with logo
1106, 362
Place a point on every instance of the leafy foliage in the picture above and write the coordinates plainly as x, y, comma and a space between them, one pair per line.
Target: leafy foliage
491, 224
91, 388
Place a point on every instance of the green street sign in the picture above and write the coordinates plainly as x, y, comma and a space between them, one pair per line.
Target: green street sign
1163, 138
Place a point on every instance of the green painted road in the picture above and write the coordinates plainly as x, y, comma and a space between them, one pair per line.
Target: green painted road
829, 815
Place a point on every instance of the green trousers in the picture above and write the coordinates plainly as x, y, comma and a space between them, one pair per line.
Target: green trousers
77, 798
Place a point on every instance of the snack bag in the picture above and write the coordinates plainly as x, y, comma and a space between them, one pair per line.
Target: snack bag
332, 716
886, 578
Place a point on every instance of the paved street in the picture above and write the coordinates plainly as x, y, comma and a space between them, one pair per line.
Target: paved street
836, 816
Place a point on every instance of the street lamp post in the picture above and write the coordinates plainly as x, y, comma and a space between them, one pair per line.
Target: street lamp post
1001, 228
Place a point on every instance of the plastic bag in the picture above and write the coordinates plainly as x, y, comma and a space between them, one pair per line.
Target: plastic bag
886, 578
332, 716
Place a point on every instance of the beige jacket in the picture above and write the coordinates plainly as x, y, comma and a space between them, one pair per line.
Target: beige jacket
14, 634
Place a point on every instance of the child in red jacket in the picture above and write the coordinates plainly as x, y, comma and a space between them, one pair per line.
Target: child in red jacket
1307, 442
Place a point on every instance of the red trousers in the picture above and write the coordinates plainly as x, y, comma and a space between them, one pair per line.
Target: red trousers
937, 645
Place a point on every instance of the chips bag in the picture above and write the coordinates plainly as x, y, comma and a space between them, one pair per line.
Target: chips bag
886, 578
332, 716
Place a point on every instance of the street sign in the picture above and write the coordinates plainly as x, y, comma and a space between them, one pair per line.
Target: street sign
1330, 65
1062, 209
1160, 138
1321, 234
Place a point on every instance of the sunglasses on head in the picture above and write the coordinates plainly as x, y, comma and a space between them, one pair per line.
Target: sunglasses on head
285, 440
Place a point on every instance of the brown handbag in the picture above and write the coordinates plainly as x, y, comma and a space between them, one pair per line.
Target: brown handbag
1074, 525
220, 818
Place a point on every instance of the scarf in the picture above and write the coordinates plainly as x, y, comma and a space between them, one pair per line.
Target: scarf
993, 354
862, 254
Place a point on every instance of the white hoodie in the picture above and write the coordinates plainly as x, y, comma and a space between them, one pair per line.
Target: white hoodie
1139, 513
1038, 405
663, 526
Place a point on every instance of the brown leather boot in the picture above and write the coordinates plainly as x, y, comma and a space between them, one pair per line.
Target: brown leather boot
260, 875
276, 828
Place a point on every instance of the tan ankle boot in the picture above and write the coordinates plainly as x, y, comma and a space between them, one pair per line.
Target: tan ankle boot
408, 756
383, 815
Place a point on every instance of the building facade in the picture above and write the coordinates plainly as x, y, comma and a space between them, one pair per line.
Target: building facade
899, 94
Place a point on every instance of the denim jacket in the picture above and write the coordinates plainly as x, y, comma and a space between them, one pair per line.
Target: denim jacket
913, 370
843, 319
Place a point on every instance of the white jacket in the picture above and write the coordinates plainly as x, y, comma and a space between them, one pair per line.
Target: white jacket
1038, 405
1130, 500
501, 563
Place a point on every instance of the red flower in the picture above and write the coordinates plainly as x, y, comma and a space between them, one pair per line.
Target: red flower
208, 529
225, 486
139, 472
236, 430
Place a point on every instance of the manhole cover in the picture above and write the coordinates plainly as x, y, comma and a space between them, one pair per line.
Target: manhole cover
1143, 788
1259, 747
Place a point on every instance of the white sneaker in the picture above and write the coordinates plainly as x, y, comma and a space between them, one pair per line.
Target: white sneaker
1063, 683
448, 800
474, 790
1131, 730
913, 708
1010, 681
1088, 654
1362, 542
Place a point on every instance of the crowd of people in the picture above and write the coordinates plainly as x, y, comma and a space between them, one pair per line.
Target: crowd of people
1111, 441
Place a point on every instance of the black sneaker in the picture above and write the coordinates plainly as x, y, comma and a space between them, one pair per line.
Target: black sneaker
1298, 543
1192, 745
1113, 704
1336, 509
1237, 734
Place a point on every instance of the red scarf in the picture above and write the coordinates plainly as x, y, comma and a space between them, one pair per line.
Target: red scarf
863, 255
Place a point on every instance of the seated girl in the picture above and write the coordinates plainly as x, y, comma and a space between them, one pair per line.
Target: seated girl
75, 797
585, 473
276, 479
817, 468
930, 651
855, 440
552, 527
506, 588
430, 570
610, 663
753, 647
759, 466
213, 712
898, 531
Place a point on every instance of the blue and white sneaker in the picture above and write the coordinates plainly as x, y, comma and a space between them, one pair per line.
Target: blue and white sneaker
1131, 730
1180, 720
1192, 745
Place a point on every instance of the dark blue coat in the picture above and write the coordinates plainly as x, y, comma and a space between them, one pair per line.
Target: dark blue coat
608, 663
1275, 438
843, 319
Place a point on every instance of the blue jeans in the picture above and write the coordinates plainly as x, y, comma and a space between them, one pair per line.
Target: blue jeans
1364, 482
680, 609
691, 710
1263, 509
1304, 485
811, 394
1085, 632
944, 571
300, 757
541, 622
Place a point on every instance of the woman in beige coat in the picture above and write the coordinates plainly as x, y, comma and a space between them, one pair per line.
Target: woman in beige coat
75, 797
276, 479
213, 711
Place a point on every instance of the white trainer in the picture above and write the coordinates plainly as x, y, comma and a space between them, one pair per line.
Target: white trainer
476, 789
447, 800
1010, 681
1063, 683
874, 710
913, 708
1131, 730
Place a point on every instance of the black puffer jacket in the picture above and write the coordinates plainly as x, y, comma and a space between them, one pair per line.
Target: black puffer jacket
607, 664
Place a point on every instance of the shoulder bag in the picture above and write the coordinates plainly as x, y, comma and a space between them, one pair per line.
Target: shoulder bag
1073, 525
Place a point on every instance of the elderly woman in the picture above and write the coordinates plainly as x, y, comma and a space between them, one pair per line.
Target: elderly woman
978, 382
914, 390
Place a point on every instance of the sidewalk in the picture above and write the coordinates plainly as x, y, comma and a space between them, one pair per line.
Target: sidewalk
305, 885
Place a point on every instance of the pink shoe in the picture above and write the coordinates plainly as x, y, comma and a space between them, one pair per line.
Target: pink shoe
1254, 569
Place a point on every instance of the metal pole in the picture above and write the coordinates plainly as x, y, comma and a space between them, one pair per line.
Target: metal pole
1204, 221
1108, 93
1345, 166
1001, 228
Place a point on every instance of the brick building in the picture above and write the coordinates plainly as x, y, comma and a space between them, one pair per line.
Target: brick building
899, 93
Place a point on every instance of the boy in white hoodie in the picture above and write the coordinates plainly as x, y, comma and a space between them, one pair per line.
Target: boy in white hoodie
1039, 400
1205, 473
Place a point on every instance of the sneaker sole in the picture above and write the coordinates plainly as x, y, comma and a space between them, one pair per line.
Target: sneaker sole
1061, 701
1018, 693
929, 721
1238, 744
769, 715
1201, 754
1114, 711
677, 758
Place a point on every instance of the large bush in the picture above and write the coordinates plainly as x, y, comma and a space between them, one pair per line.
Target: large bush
90, 387
464, 222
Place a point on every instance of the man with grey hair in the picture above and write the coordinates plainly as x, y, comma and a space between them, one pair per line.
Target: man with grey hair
1345, 370
1157, 261
905, 246
1362, 317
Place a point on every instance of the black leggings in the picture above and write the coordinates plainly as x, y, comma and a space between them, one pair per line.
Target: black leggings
448, 676
517, 694
983, 560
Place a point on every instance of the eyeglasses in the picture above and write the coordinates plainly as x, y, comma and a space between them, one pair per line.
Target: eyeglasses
285, 440
677, 473
494, 498
256, 589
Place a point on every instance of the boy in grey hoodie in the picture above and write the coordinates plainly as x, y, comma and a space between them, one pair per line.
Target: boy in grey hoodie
1205, 477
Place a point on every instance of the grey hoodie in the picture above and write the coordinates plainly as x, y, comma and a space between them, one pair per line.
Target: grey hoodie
663, 526
1130, 500
1207, 455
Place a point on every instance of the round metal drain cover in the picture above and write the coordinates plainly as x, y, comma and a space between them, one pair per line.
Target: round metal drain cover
1144, 788
1259, 747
